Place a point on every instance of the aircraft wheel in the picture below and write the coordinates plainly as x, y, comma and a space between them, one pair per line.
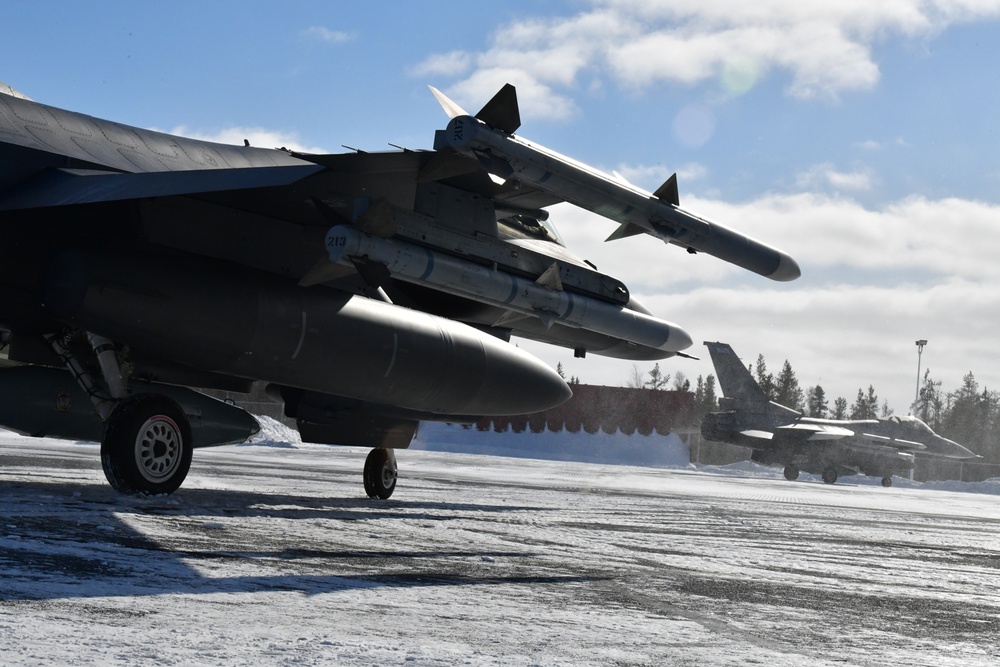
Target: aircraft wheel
147, 446
830, 475
380, 473
791, 473
887, 481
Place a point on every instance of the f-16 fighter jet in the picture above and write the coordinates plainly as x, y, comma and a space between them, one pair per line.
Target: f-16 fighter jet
367, 291
781, 436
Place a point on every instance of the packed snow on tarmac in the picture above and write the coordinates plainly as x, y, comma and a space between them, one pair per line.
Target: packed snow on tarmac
271, 554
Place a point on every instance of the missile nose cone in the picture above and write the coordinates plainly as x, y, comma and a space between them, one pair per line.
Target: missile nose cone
788, 269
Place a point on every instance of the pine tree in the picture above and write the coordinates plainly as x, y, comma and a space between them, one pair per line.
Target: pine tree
865, 405
657, 380
704, 397
786, 389
764, 379
930, 402
559, 371
681, 383
839, 408
816, 402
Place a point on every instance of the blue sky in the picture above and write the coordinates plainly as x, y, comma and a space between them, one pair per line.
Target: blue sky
860, 137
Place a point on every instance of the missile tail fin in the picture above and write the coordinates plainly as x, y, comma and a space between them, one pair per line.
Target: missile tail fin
501, 112
668, 191
626, 229
447, 104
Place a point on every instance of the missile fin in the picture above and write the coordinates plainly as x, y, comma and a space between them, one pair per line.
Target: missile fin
668, 191
323, 271
447, 104
548, 319
501, 112
626, 229
509, 317
551, 278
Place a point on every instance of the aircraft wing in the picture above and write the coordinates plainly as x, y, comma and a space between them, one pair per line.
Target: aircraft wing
814, 432
893, 442
67, 187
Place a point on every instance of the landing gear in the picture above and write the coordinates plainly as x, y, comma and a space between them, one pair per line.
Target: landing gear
829, 475
791, 472
147, 446
380, 473
887, 481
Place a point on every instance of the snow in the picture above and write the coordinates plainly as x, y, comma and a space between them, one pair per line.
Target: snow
271, 554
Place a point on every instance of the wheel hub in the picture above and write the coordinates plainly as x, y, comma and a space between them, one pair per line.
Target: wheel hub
158, 448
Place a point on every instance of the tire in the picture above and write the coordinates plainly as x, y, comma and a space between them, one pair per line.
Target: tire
147, 446
791, 472
887, 481
380, 473
830, 475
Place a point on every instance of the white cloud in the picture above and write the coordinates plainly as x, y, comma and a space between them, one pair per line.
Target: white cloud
326, 35
257, 136
826, 48
824, 175
453, 63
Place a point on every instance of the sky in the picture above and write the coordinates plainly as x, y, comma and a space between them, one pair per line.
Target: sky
859, 137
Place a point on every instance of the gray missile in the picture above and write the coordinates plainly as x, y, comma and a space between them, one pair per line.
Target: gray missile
430, 268
506, 156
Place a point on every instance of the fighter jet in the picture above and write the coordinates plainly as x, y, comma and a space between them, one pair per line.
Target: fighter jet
367, 291
781, 436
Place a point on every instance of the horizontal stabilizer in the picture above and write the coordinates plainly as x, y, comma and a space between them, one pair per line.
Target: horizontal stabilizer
66, 187
668, 191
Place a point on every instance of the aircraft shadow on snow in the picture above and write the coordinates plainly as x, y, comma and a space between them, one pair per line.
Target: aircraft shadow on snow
70, 540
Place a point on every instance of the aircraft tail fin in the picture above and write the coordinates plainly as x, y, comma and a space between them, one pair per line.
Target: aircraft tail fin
735, 379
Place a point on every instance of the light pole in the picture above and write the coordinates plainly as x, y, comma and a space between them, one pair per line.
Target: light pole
920, 351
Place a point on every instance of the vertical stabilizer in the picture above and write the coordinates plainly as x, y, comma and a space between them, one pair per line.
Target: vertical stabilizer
735, 379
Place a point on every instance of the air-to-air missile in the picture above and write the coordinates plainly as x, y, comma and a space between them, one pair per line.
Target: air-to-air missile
489, 137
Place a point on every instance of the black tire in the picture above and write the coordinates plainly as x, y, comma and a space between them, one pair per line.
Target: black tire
830, 475
147, 446
380, 473
791, 472
887, 481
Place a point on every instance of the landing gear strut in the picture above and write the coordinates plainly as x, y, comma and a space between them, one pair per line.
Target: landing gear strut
791, 472
380, 473
147, 437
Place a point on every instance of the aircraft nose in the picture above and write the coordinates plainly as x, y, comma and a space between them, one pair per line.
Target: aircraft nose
954, 450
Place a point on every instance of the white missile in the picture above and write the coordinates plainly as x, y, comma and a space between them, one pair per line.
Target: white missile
489, 137
423, 266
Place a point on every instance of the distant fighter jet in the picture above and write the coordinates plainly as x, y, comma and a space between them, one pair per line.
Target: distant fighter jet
369, 291
781, 436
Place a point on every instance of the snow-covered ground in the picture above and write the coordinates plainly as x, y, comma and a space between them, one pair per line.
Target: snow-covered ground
271, 554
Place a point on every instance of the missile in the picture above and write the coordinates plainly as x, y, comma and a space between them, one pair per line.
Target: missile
489, 137
489, 285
